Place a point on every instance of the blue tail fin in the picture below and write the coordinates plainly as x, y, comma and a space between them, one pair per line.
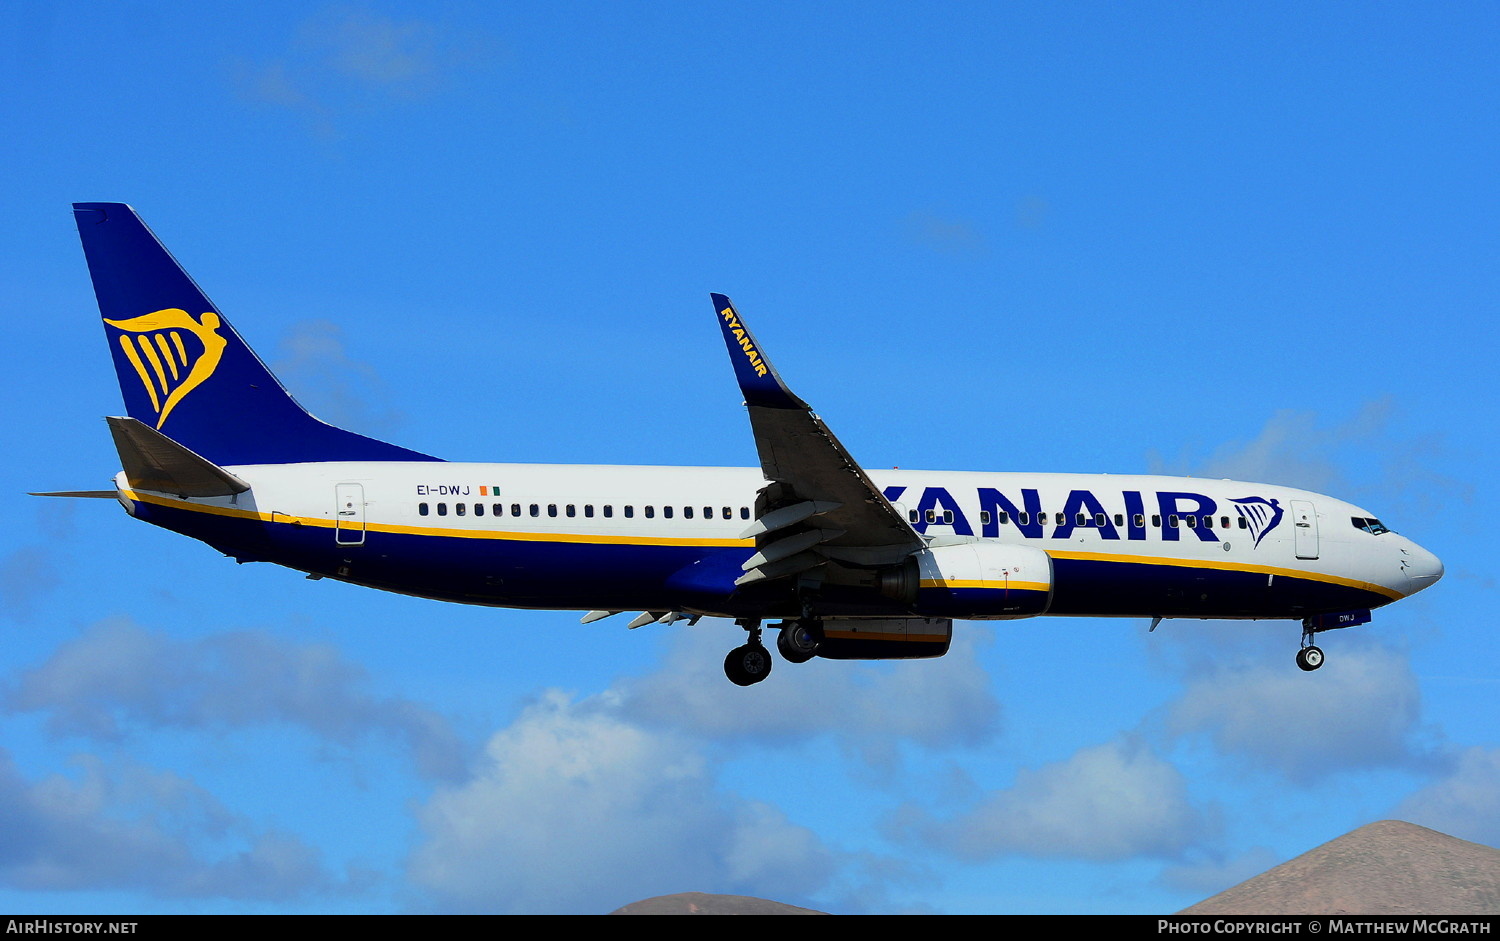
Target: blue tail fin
185, 371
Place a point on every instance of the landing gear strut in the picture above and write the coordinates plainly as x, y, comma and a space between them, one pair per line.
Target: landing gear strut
1310, 657
751, 663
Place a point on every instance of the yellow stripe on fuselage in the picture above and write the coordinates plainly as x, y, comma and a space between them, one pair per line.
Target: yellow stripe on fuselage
600, 539
317, 521
981, 583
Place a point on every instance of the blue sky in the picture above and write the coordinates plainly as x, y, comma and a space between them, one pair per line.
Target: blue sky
1251, 241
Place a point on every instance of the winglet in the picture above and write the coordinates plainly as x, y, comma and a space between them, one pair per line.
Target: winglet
757, 377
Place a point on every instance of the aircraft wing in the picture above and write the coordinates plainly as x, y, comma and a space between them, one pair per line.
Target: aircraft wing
819, 505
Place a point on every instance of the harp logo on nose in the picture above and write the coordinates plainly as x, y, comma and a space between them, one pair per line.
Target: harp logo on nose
172, 353
1260, 514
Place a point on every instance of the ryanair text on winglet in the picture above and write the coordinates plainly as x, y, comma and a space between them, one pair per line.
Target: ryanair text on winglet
751, 353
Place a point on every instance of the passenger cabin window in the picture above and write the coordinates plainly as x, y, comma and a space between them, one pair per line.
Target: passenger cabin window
1080, 520
1062, 519
421, 509
666, 512
932, 516
1138, 521
609, 510
1100, 519
460, 508
1004, 517
1172, 521
744, 512
552, 509
1119, 519
629, 512
498, 509
1156, 520
1244, 523
1223, 522
727, 514
536, 509
442, 509
984, 517
914, 516
687, 512
708, 512
588, 510
650, 512
479, 509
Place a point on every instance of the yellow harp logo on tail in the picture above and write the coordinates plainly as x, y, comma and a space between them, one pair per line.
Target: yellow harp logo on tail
170, 367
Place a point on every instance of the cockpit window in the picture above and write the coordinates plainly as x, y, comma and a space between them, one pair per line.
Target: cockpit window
1370, 525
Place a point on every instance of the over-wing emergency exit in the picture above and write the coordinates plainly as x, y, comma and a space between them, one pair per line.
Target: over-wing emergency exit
849, 563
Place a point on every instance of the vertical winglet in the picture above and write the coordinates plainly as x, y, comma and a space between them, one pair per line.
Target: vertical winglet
757, 377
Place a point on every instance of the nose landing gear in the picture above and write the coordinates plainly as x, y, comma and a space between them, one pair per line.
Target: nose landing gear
1309, 657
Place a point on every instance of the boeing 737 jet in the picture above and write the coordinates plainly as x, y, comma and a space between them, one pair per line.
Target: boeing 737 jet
849, 563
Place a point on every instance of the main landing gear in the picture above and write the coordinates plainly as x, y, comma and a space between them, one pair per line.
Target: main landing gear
751, 663
797, 642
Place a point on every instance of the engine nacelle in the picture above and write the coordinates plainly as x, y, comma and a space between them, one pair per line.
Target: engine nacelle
884, 638
983, 580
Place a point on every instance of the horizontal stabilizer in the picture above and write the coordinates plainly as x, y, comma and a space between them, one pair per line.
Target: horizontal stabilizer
152, 461
91, 494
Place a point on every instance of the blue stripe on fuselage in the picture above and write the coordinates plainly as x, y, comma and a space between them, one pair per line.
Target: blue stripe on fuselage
579, 575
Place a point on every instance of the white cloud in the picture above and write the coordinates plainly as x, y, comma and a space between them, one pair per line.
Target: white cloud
1465, 804
26, 575
1107, 802
136, 828
575, 809
343, 391
938, 703
1361, 710
347, 61
947, 234
118, 674
1206, 878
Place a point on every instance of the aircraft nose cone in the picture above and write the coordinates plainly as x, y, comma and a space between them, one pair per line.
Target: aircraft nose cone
1423, 569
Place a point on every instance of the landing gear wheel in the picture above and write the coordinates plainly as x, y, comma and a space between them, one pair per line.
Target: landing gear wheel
747, 665
798, 641
1310, 658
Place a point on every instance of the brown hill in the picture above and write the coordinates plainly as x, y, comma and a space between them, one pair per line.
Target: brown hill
1385, 868
702, 903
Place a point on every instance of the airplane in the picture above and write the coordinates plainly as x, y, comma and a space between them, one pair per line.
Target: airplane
850, 563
